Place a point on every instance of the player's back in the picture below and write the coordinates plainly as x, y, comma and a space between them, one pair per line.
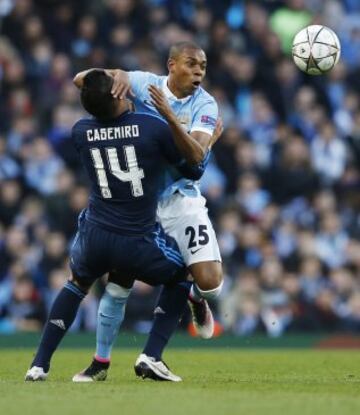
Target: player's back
125, 160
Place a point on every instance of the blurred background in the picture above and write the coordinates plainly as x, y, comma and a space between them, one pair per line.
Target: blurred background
283, 186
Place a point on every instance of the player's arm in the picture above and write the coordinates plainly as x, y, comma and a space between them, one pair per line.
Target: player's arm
121, 85
194, 171
192, 146
172, 155
185, 169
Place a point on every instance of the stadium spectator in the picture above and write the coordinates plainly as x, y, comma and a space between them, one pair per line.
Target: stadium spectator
283, 183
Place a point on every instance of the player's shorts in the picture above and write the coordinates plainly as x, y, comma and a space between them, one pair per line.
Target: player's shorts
186, 220
154, 258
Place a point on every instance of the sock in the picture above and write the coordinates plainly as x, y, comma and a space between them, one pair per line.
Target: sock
62, 315
168, 312
110, 316
196, 294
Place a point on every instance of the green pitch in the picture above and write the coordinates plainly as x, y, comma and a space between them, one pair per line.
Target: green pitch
220, 382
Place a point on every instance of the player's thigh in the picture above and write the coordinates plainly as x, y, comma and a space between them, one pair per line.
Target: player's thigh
88, 254
186, 220
160, 261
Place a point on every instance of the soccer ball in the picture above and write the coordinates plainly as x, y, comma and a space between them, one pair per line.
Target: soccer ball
316, 49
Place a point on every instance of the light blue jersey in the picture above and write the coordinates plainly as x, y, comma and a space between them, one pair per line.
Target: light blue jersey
196, 112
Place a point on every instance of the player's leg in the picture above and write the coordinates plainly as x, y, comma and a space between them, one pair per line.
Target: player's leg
172, 301
109, 319
168, 312
198, 244
172, 304
158, 261
186, 220
110, 316
61, 316
66, 304
208, 281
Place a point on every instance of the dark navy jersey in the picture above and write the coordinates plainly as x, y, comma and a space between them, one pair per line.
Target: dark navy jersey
125, 159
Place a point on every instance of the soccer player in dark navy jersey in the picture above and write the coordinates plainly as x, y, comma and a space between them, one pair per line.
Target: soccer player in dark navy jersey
124, 155
125, 159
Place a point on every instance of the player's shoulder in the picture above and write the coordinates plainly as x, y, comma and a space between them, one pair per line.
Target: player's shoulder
203, 96
145, 77
83, 123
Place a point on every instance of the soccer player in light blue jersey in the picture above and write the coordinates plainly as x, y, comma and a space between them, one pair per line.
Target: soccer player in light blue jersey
189, 110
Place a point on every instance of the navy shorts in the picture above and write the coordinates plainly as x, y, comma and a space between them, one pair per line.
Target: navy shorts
154, 258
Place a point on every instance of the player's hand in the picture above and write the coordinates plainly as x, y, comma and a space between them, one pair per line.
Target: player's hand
121, 85
219, 128
158, 99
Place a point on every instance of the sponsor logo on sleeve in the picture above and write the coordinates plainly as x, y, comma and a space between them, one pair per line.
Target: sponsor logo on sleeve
207, 120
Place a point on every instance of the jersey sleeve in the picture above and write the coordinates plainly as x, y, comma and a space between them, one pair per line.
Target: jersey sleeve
172, 155
205, 116
140, 81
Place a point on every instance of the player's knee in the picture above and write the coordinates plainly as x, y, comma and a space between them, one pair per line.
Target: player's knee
117, 291
207, 276
83, 286
124, 280
211, 294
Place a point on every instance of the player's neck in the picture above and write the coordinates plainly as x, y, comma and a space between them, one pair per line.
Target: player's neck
174, 90
121, 109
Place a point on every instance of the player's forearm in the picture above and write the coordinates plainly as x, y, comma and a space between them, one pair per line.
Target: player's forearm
191, 149
79, 77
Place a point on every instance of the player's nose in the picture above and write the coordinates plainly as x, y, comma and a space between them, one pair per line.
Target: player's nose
198, 74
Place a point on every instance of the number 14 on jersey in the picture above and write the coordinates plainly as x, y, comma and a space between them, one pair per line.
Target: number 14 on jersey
133, 174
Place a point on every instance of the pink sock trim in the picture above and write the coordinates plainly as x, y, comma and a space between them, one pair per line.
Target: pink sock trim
194, 300
101, 359
194, 296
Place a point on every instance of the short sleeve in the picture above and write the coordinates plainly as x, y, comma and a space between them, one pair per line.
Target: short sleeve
205, 116
140, 81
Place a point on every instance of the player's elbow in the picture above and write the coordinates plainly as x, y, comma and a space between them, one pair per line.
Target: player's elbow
196, 172
198, 157
201, 156
198, 169
77, 80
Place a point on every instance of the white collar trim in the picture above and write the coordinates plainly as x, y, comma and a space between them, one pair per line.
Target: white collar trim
170, 95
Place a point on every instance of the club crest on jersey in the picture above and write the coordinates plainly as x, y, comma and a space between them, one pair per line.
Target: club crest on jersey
207, 120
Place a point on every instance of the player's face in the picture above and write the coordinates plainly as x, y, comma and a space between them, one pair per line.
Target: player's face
187, 71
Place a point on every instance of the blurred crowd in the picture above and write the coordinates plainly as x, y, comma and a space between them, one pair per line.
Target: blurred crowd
283, 186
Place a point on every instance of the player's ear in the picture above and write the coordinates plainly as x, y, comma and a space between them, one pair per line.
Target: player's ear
170, 64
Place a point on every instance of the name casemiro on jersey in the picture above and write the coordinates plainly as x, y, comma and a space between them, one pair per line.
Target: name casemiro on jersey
113, 133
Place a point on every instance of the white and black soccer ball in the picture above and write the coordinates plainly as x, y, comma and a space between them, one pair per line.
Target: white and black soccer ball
316, 49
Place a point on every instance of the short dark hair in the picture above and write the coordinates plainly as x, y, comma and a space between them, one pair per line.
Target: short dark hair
96, 95
178, 48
